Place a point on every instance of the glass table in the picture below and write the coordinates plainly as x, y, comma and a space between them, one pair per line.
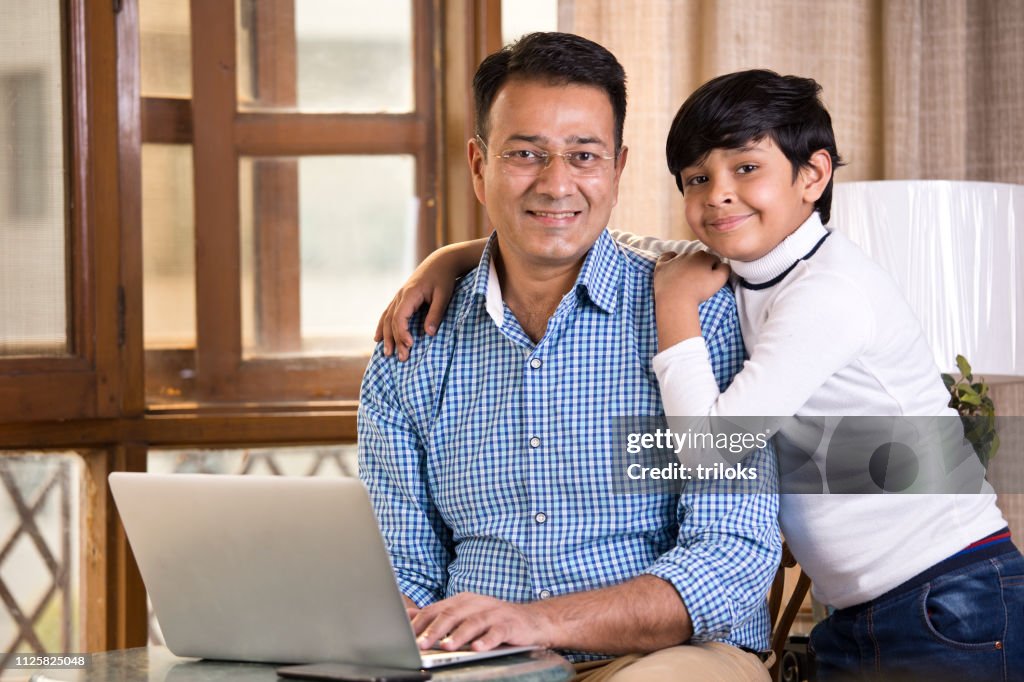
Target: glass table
157, 664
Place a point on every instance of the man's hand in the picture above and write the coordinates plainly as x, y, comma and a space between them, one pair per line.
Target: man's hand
410, 607
480, 622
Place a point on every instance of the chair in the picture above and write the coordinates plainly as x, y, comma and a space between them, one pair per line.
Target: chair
782, 622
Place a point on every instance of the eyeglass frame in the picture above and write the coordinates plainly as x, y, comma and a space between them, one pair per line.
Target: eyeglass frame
547, 156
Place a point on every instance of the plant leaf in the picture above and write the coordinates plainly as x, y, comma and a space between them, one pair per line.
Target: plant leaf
970, 398
963, 366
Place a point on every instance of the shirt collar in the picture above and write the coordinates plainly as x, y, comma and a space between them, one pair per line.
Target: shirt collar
790, 250
598, 278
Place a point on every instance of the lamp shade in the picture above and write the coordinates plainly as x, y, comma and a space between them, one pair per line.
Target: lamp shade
956, 249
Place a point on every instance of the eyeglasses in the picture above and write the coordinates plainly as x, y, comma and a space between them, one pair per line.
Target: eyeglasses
530, 162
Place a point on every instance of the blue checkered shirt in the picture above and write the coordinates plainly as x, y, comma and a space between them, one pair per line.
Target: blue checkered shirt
489, 458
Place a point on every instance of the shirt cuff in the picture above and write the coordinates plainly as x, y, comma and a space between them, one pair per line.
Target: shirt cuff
711, 614
422, 596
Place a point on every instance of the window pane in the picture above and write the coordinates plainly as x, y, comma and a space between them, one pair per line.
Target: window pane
33, 209
526, 16
39, 549
323, 460
325, 55
326, 241
168, 245
165, 48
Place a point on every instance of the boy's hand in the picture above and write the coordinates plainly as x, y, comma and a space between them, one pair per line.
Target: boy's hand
432, 282
689, 279
424, 286
680, 284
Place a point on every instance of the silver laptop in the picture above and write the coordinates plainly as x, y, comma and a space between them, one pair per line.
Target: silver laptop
270, 568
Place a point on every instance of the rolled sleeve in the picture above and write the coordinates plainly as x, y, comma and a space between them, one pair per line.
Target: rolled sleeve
729, 543
727, 550
393, 468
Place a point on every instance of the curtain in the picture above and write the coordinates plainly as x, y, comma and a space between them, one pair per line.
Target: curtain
917, 89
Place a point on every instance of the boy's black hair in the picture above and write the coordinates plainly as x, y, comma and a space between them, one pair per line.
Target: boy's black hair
731, 111
557, 59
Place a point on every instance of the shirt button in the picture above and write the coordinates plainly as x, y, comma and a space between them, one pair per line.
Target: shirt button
541, 517
536, 363
544, 594
535, 442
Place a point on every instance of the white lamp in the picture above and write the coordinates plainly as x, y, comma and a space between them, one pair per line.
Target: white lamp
956, 249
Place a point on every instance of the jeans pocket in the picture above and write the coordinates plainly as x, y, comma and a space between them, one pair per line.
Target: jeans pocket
965, 610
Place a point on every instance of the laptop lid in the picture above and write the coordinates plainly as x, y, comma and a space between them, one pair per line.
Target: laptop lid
266, 568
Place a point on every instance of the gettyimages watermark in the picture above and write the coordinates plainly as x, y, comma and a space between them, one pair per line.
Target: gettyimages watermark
814, 455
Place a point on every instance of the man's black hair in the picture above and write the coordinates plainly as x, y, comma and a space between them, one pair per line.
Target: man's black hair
556, 59
734, 110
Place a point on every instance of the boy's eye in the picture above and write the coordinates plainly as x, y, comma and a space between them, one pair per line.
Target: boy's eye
747, 168
694, 180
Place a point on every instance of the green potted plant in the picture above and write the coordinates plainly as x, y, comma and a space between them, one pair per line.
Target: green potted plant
971, 399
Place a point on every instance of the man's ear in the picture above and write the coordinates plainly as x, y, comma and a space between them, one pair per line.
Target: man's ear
476, 156
620, 164
815, 175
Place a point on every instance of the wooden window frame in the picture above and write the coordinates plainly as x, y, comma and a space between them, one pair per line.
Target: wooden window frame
93, 401
83, 383
221, 134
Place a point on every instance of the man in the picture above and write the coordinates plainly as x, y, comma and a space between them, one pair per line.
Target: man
490, 455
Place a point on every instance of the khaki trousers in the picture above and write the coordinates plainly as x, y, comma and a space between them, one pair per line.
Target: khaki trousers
706, 661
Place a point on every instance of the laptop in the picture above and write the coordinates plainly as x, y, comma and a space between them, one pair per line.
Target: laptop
270, 569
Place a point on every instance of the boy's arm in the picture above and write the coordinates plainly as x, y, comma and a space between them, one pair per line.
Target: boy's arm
814, 329
656, 245
432, 282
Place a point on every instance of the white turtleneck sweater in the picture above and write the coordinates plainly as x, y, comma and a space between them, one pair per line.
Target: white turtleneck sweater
832, 337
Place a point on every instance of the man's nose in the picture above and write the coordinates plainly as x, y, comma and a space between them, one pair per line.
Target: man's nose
556, 179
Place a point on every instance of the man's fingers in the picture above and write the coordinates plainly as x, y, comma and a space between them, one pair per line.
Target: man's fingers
467, 631
488, 640
432, 624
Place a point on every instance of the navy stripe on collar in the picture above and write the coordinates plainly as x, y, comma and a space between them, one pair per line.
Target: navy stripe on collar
781, 276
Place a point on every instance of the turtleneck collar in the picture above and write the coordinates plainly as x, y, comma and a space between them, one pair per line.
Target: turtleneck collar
780, 260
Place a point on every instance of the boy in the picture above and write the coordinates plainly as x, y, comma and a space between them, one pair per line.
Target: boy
829, 334
922, 585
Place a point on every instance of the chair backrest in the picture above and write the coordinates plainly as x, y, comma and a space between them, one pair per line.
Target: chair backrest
782, 619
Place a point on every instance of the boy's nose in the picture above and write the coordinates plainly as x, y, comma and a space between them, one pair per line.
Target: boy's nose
719, 192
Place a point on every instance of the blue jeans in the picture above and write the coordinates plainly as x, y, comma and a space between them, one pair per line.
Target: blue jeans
967, 624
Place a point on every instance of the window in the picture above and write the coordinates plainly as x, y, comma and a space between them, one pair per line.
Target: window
308, 158
212, 206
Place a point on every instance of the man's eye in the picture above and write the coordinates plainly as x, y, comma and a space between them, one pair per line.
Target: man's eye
522, 155
696, 180
583, 157
747, 168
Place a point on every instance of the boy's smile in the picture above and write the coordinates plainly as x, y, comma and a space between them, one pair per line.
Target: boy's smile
743, 202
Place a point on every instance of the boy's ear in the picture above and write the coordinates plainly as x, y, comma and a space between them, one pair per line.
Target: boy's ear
815, 175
